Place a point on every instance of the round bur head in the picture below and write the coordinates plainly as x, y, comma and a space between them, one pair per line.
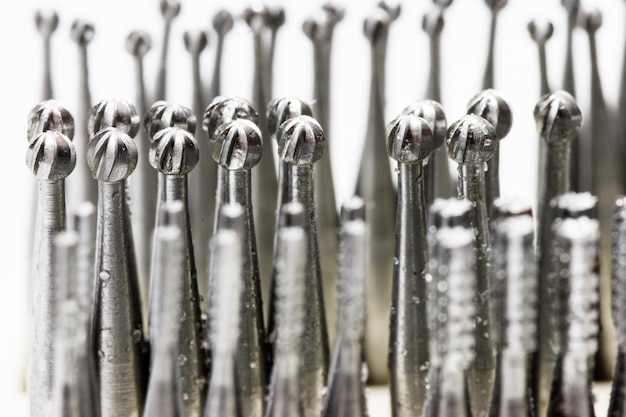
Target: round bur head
540, 30
169, 9
50, 115
393, 10
433, 113
47, 22
51, 156
571, 5
223, 22
471, 140
116, 113
82, 32
275, 17
174, 151
238, 145
195, 41
496, 5
301, 141
376, 26
410, 139
162, 115
591, 20
111, 155
558, 117
491, 106
283, 109
432, 22
223, 110
334, 12
255, 17
138, 43
316, 28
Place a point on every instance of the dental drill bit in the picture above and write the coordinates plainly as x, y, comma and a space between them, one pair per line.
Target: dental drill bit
410, 143
491, 106
165, 392
51, 157
606, 183
237, 149
285, 389
558, 121
375, 186
223, 400
47, 22
540, 32
112, 157
174, 153
451, 308
346, 384
301, 143
222, 24
471, 143
576, 319
169, 10
433, 113
495, 6
274, 19
514, 312
82, 186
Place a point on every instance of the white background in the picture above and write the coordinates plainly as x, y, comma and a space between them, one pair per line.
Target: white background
112, 75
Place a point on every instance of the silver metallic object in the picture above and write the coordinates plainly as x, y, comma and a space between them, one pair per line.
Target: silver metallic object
169, 10
47, 22
51, 157
301, 143
112, 156
274, 19
410, 143
346, 382
495, 6
174, 153
222, 24
471, 143
541, 31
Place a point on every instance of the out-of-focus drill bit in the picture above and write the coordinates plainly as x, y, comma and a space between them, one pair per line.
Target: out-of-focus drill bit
495, 6
165, 392
82, 186
285, 398
112, 156
237, 149
51, 157
301, 143
558, 121
375, 186
169, 10
222, 24
541, 31
471, 143
174, 153
576, 319
47, 22
410, 142
346, 383
223, 399
490, 105
274, 19
451, 306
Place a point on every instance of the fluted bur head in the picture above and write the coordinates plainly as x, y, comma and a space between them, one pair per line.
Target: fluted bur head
195, 41
540, 30
376, 26
238, 145
50, 115
174, 151
111, 155
433, 113
51, 156
82, 32
471, 140
117, 113
46, 21
490, 105
162, 115
138, 43
558, 117
223, 22
283, 109
226, 109
410, 139
301, 141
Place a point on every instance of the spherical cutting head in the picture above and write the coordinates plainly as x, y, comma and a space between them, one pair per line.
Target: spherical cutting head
496, 5
540, 30
47, 21
335, 12
138, 43
433, 113
82, 32
285, 108
571, 6
393, 10
223, 22
174, 151
433, 22
50, 115
238, 145
255, 17
275, 17
471, 140
591, 20
376, 26
410, 139
317, 28
169, 9
117, 113
301, 141
51, 155
558, 117
226, 109
162, 114
111, 155
490, 105
195, 41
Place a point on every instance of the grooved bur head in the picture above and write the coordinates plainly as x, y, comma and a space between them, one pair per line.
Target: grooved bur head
316, 28
238, 145
169, 9
174, 151
138, 43
275, 17
335, 12
393, 10
47, 21
432, 22
111, 155
50, 115
410, 139
162, 115
490, 105
558, 117
82, 32
301, 141
571, 5
195, 41
433, 113
51, 155
471, 140
285, 108
223, 22
496, 5
591, 20
120, 114
255, 17
226, 109
376, 26
540, 30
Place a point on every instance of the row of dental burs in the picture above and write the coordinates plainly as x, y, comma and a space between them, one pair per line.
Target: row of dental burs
158, 294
